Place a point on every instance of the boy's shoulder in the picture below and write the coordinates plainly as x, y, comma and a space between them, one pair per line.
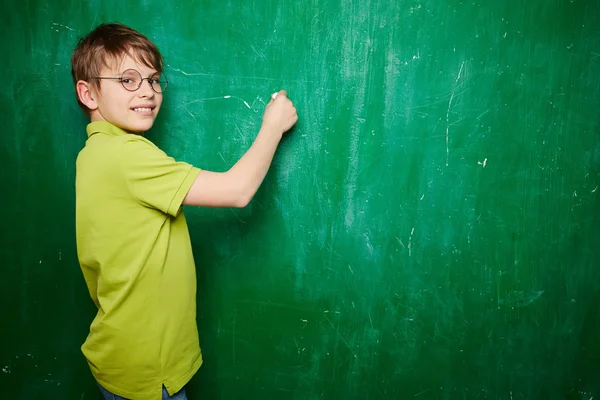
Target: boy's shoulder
109, 145
107, 142
102, 134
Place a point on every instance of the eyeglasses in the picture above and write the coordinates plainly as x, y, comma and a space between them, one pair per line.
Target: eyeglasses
132, 80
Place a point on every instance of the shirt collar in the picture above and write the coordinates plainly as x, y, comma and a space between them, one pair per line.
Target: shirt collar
104, 127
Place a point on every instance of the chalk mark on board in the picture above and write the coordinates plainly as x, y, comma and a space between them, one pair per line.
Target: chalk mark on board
206, 99
448, 112
250, 107
410, 242
61, 25
260, 78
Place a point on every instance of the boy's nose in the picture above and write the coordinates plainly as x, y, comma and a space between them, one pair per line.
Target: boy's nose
146, 90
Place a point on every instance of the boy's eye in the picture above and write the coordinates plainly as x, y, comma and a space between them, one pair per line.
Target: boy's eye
129, 76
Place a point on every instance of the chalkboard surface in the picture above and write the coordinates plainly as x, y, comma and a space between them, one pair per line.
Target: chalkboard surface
429, 230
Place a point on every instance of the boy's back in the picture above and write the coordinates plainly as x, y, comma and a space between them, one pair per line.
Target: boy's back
137, 262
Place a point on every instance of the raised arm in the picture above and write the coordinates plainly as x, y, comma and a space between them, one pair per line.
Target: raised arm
236, 187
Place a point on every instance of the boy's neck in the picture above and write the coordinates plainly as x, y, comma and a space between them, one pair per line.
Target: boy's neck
95, 117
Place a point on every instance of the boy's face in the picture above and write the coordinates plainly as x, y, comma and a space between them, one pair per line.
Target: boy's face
130, 111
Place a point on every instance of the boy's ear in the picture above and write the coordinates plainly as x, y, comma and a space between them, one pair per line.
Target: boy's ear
86, 95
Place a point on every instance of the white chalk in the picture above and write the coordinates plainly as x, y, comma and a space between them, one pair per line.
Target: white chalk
274, 95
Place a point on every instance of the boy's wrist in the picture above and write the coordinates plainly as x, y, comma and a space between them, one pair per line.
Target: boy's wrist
271, 131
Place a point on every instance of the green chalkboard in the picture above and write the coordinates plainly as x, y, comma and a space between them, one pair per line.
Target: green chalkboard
429, 230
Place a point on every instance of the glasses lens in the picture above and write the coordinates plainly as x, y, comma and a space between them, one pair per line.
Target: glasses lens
131, 79
159, 82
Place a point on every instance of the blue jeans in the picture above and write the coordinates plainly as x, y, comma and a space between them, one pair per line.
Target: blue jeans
165, 395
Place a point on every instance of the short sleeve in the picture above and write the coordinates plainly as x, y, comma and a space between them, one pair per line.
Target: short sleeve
155, 179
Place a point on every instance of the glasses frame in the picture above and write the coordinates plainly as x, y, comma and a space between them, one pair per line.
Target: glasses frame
142, 79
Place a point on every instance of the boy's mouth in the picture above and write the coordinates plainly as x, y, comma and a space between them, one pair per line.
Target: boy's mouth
145, 109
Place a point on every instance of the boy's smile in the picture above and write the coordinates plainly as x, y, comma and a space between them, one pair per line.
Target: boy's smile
132, 111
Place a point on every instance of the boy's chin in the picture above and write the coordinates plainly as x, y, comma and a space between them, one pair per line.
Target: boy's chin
139, 127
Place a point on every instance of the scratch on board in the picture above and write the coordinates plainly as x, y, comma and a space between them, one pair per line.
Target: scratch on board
188, 111
259, 53
400, 241
351, 178
410, 242
423, 392
337, 331
368, 243
448, 112
520, 299
237, 216
482, 114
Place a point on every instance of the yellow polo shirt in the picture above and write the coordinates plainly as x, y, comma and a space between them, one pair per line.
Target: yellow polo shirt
136, 257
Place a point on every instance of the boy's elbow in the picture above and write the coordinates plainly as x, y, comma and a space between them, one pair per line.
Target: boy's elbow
242, 201
243, 194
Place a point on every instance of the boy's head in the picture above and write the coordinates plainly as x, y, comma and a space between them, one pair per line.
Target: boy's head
118, 78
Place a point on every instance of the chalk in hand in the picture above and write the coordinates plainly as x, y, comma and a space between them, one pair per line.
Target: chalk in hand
274, 95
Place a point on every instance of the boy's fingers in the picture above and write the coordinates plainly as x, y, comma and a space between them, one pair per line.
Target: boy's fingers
280, 93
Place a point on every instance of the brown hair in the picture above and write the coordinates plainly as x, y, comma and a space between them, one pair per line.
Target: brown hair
106, 43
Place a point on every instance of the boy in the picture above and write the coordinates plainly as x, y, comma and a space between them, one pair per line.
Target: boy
132, 239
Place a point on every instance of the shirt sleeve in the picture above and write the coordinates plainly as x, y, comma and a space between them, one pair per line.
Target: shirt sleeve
155, 179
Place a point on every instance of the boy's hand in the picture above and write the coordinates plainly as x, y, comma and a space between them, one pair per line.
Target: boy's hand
280, 114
